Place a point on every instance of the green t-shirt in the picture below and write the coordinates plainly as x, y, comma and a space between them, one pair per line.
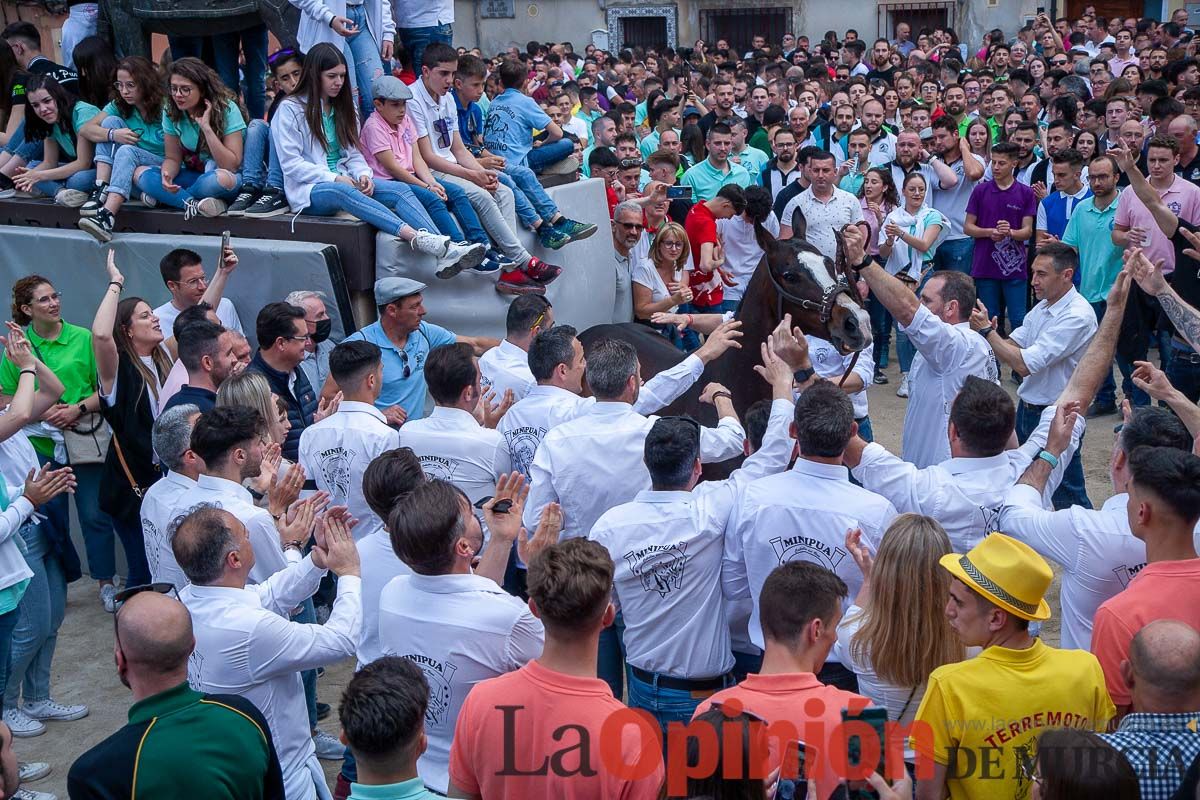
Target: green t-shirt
150, 134
333, 152
81, 114
70, 357
188, 131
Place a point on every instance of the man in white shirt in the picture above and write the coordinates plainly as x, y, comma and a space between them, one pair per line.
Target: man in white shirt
460, 628
1045, 350
804, 513
245, 645
337, 450
738, 241
667, 549
183, 273
171, 437
947, 349
506, 367
316, 351
825, 208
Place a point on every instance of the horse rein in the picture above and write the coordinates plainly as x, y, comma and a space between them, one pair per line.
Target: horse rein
829, 297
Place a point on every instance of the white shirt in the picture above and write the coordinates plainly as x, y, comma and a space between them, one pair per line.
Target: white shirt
946, 355
1052, 340
528, 421
336, 451
802, 514
506, 367
460, 630
645, 273
1073, 202
883, 149
158, 515
426, 113
245, 645
824, 217
269, 556
668, 549
422, 13
595, 462
579, 128
379, 564
453, 446
963, 494
228, 315
17, 457
1098, 553
742, 252
832, 365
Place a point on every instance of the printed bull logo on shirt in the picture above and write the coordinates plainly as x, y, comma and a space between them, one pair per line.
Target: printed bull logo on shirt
196, 671
522, 444
335, 468
439, 467
438, 674
799, 547
659, 566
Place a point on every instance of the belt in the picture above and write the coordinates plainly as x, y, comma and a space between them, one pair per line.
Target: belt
1184, 353
683, 684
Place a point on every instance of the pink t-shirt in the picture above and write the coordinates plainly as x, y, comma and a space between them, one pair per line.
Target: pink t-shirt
1182, 197
378, 136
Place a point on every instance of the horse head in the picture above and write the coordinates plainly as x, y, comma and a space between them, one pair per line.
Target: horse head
817, 291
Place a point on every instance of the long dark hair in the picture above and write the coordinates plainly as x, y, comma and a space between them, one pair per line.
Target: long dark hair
97, 68
322, 58
36, 128
890, 196
211, 89
149, 81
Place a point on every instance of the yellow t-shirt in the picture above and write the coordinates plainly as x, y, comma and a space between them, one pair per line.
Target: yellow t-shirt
984, 715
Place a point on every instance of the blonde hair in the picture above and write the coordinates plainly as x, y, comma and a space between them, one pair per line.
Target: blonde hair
656, 246
904, 634
249, 389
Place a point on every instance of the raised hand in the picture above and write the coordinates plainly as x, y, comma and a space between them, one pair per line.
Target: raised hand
1152, 380
549, 527
335, 548
725, 337
1062, 428
492, 412
46, 484
18, 349
513, 492
284, 491
774, 370
114, 274
859, 551
326, 407
710, 392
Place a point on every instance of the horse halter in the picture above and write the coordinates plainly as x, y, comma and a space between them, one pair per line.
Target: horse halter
824, 308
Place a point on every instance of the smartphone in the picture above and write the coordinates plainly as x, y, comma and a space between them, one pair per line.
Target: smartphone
877, 718
225, 237
679, 193
789, 788
1041, 10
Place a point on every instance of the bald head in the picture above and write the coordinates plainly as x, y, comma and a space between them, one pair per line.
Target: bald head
202, 540
1164, 657
155, 633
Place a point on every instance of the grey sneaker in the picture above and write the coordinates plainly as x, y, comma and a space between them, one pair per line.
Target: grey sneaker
22, 726
149, 201
71, 198
903, 390
460, 256
204, 207
49, 709
328, 747
31, 794
108, 596
31, 771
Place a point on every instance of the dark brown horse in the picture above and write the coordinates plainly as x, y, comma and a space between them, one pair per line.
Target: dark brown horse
794, 278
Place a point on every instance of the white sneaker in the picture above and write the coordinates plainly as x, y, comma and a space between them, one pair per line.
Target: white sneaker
328, 747
108, 596
459, 256
30, 794
903, 390
149, 201
22, 726
204, 207
49, 709
31, 771
71, 198
432, 244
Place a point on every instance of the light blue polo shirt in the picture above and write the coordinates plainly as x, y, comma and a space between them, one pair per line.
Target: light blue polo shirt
413, 789
753, 161
1090, 232
408, 393
706, 180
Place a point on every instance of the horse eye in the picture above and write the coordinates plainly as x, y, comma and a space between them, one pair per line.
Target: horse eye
791, 277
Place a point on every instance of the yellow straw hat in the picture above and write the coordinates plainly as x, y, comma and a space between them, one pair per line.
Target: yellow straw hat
1007, 572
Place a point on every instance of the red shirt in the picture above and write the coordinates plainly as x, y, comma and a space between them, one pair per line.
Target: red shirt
701, 227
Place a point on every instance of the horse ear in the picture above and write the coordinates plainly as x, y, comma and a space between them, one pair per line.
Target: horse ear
799, 224
839, 258
764, 238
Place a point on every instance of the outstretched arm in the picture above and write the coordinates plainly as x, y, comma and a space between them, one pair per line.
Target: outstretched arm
1163, 216
1097, 360
103, 343
216, 288
897, 298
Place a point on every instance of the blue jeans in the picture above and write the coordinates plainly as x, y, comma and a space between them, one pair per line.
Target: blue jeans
83, 181
185, 46
95, 525
1073, 490
105, 151
259, 158
415, 40
526, 213
1012, 291
134, 543
541, 157
125, 164
955, 254
527, 184
668, 704
329, 198
22, 149
362, 53
460, 205
610, 666
865, 430
192, 185
252, 43
8, 623
443, 221
1107, 393
42, 609
1183, 370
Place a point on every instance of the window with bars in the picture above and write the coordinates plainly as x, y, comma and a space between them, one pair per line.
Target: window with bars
739, 26
644, 32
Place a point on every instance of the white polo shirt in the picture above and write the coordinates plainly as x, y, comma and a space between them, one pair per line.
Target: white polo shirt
527, 422
245, 645
269, 555
832, 365
1052, 340
460, 630
506, 367
595, 462
336, 451
1098, 553
963, 494
946, 355
437, 119
453, 446
800, 515
668, 549
742, 252
157, 513
824, 217
378, 565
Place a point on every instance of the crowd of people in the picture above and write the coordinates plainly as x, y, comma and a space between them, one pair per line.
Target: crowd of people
548, 588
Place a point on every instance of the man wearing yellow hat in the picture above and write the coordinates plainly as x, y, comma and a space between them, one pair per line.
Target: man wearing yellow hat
980, 719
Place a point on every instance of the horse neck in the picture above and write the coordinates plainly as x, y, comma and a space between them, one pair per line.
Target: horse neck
759, 314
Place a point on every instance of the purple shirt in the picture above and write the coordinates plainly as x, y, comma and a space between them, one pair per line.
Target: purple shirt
1006, 259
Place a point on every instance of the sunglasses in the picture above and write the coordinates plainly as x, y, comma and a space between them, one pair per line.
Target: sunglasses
632, 226
442, 126
404, 361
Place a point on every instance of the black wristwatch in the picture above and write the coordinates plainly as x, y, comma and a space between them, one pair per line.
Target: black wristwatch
803, 375
985, 332
83, 409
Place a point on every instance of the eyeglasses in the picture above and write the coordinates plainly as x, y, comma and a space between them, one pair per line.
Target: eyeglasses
195, 283
181, 90
124, 86
122, 597
303, 338
673, 245
47, 299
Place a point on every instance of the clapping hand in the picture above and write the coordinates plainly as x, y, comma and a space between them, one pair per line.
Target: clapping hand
492, 412
283, 492
327, 406
46, 484
1062, 428
17, 347
335, 548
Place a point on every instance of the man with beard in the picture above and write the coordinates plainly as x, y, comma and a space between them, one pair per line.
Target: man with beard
723, 109
881, 66
954, 103
951, 198
883, 143
1059, 136
207, 353
784, 168
843, 123
911, 158
1025, 137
